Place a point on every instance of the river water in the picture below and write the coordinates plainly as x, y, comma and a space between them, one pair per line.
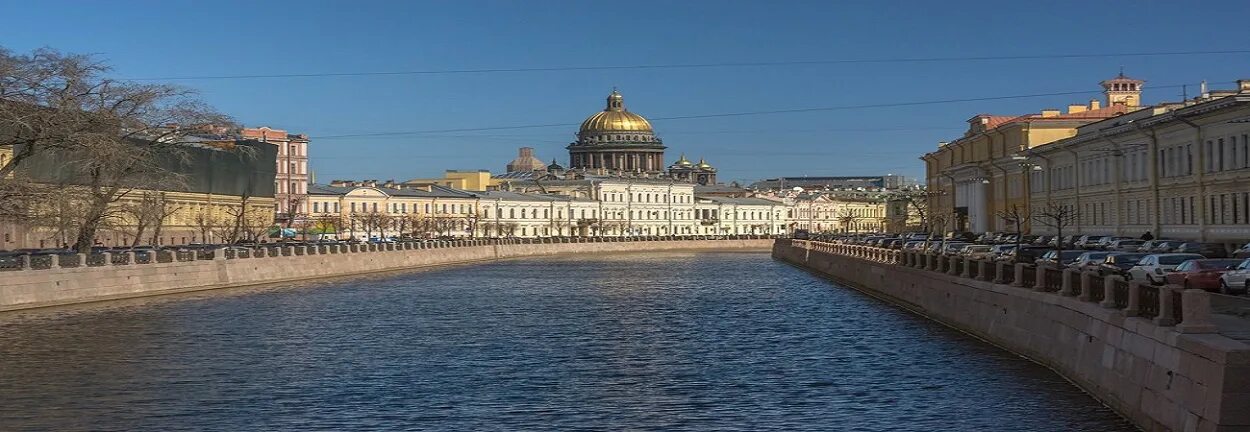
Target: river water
663, 342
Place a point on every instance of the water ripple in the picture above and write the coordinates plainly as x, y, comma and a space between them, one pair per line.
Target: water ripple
729, 342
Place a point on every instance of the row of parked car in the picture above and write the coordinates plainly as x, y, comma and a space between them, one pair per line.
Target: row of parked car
1208, 266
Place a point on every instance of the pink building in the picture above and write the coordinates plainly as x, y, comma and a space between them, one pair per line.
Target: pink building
291, 178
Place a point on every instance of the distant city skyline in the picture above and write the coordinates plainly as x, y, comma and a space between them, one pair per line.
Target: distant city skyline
884, 137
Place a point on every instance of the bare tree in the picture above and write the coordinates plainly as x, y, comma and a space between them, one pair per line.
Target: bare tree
327, 224
846, 217
508, 228
1016, 217
560, 224
150, 212
207, 224
1057, 216
106, 135
258, 225
373, 222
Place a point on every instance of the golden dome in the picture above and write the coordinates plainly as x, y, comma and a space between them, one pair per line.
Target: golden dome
682, 161
703, 164
615, 118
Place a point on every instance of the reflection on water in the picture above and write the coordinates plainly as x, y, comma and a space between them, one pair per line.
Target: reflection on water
677, 341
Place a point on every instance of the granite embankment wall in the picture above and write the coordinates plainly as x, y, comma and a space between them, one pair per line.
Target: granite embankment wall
25, 289
1187, 377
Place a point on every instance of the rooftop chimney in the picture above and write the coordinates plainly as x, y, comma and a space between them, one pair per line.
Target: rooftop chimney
1094, 104
1076, 108
1050, 112
1243, 86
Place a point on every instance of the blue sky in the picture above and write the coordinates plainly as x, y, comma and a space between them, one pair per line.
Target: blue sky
145, 39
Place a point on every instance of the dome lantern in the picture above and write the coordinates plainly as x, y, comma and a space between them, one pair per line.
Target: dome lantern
616, 102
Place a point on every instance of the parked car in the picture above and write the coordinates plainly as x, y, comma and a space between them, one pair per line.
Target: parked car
1088, 260
1119, 263
1087, 242
1106, 242
892, 243
1209, 250
1059, 259
1237, 280
953, 248
975, 251
1124, 245
1153, 267
997, 251
1200, 273
1165, 246
913, 245
1024, 254
1242, 252
1043, 240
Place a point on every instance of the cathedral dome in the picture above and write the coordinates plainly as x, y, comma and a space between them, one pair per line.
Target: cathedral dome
615, 119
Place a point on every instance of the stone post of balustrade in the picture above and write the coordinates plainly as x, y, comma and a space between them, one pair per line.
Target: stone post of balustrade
933, 262
1018, 281
1134, 299
983, 269
108, 258
1039, 279
1000, 271
1196, 312
1069, 282
130, 258
1108, 291
290, 250
25, 262
951, 267
897, 257
82, 260
968, 263
1087, 282
54, 261
1166, 306
922, 260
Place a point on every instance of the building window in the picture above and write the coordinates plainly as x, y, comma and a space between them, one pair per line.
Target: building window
375, 207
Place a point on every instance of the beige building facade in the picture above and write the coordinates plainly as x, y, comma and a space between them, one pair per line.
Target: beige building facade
1179, 170
972, 180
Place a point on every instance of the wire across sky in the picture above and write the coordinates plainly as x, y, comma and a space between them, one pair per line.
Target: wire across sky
700, 65
737, 114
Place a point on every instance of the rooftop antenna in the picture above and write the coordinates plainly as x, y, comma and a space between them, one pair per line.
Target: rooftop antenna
1184, 92
1121, 71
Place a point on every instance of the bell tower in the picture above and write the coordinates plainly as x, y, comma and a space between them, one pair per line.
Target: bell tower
1122, 90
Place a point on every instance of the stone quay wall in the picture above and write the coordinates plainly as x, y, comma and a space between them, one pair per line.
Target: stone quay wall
165, 272
1151, 353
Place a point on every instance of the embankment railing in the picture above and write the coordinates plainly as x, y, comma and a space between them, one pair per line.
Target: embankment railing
1162, 305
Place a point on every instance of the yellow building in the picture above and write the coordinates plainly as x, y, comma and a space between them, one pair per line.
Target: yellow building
366, 209
197, 209
973, 180
1177, 170
468, 180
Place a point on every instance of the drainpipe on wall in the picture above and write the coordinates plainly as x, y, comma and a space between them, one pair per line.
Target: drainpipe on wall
1118, 176
1199, 211
1076, 191
1156, 203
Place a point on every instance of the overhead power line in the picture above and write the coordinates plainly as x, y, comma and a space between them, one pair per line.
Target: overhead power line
735, 114
697, 65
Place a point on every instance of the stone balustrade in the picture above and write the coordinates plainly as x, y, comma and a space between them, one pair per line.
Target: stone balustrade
106, 259
1156, 354
1116, 293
